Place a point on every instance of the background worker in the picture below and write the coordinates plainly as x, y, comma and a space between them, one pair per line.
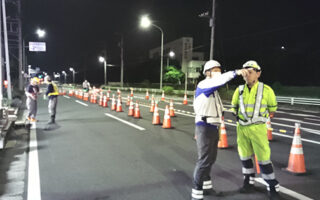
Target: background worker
52, 93
86, 85
253, 103
208, 108
31, 92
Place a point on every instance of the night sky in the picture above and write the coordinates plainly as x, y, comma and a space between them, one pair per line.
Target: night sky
78, 31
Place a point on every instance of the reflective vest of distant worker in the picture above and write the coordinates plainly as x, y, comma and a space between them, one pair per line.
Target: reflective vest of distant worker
52, 93
253, 103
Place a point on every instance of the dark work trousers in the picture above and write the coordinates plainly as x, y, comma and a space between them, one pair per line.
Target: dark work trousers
32, 107
52, 106
207, 141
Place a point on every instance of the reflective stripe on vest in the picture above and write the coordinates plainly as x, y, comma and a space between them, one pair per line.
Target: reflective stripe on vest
55, 90
255, 118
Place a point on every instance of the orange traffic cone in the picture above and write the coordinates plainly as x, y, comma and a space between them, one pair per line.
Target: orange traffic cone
105, 102
108, 96
269, 129
118, 92
156, 116
113, 103
223, 142
100, 100
131, 93
119, 105
131, 109
137, 111
70, 93
94, 99
162, 97
171, 109
128, 100
91, 98
86, 97
147, 95
185, 100
152, 105
81, 95
166, 118
257, 164
296, 164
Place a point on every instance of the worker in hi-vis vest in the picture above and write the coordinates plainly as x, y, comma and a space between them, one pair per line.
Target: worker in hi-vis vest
52, 93
209, 110
253, 103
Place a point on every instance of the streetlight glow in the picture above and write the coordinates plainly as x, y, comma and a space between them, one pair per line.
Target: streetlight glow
71, 69
145, 22
41, 33
101, 59
171, 54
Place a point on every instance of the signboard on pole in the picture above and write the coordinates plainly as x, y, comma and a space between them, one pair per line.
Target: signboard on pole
37, 46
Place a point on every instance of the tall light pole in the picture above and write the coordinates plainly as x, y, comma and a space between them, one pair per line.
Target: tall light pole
212, 25
145, 23
104, 61
65, 76
73, 74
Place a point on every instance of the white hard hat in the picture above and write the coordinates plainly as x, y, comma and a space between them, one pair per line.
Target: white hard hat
210, 64
252, 64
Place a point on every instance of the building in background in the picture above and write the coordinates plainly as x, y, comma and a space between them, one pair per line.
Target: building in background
191, 62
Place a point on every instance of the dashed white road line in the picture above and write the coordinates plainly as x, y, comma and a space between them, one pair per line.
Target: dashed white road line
125, 122
285, 191
34, 191
84, 104
66, 97
294, 120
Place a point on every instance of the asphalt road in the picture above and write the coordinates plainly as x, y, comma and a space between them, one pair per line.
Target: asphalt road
91, 153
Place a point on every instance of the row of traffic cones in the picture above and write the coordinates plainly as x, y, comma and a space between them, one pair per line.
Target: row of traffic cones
166, 118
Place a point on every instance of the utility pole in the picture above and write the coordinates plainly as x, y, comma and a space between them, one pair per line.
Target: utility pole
121, 46
6, 49
20, 46
212, 25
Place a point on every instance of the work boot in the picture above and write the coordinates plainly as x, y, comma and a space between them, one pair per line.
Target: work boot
52, 120
248, 184
212, 192
273, 194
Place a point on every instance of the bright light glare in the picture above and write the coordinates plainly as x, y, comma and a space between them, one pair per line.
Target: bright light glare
101, 59
171, 54
71, 69
41, 33
145, 22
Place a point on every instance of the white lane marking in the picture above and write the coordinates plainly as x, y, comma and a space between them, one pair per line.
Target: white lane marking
66, 96
303, 129
296, 114
286, 191
84, 104
126, 122
294, 120
318, 120
34, 192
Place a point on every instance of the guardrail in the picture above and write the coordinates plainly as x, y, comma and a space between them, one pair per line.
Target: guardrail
280, 99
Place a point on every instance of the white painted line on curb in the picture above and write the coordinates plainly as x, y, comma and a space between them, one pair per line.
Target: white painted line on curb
66, 97
286, 191
84, 104
34, 192
126, 122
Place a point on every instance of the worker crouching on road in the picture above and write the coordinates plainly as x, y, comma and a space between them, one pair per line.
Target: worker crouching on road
31, 92
253, 103
52, 93
209, 109
86, 86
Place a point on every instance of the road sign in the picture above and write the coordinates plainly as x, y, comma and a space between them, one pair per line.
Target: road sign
37, 46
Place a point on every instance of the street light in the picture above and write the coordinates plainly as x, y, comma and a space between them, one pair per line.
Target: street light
171, 54
65, 76
145, 23
40, 32
73, 73
104, 61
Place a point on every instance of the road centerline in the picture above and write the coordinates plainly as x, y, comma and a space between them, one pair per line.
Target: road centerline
125, 122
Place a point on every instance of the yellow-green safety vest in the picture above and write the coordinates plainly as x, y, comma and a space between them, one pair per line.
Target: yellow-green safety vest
55, 90
253, 106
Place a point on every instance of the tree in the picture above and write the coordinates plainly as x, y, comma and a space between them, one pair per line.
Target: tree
173, 75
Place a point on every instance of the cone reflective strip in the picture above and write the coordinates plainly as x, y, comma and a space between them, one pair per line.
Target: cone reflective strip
207, 185
197, 194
